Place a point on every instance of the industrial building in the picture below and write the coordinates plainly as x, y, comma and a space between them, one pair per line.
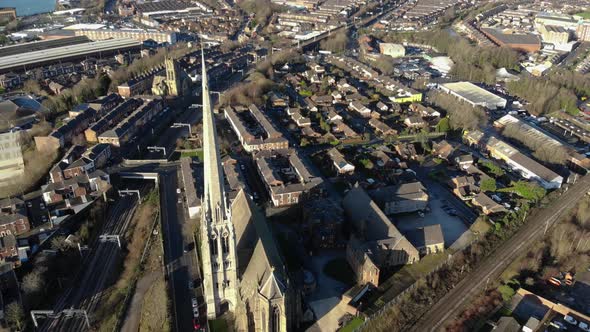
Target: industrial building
518, 41
474, 95
517, 161
162, 37
29, 60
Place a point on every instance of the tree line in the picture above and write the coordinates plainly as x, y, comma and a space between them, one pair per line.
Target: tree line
461, 115
472, 62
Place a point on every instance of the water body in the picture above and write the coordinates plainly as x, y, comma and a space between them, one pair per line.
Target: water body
29, 7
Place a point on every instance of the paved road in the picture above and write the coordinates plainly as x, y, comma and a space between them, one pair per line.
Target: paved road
180, 266
474, 283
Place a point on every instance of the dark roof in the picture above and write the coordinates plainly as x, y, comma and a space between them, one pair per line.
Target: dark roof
513, 38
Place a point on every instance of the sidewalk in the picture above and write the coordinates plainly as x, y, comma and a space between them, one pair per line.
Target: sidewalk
131, 323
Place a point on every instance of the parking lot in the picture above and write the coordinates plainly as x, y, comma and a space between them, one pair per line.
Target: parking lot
456, 234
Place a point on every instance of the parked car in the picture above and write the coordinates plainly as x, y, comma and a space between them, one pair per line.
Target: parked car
569, 319
584, 326
558, 325
190, 284
194, 303
196, 312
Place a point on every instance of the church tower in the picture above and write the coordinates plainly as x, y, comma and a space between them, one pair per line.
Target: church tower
172, 77
218, 241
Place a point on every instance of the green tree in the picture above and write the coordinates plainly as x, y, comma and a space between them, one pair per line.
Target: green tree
527, 190
367, 163
488, 184
443, 125
492, 168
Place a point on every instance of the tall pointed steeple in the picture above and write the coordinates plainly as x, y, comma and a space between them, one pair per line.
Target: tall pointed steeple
214, 201
218, 241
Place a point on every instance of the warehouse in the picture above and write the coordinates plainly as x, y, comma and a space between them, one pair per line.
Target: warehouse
474, 95
29, 60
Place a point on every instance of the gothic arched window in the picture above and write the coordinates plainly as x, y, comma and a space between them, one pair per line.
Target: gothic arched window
275, 319
213, 244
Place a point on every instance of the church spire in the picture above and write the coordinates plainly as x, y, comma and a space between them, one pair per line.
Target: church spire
214, 202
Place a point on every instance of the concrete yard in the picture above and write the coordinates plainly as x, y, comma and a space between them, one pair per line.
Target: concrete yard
456, 234
325, 301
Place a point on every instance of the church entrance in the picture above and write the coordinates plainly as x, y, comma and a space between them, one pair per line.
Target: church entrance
223, 307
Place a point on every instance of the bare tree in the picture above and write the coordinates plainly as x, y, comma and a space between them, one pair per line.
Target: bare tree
33, 282
15, 315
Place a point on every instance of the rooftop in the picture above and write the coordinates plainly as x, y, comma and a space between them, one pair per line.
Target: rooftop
473, 93
65, 52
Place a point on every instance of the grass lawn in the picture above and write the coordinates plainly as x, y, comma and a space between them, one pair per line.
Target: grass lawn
218, 325
338, 269
352, 325
197, 153
584, 15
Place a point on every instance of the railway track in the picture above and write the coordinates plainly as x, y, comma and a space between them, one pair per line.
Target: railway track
97, 269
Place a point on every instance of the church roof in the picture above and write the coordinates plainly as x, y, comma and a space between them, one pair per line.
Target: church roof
262, 267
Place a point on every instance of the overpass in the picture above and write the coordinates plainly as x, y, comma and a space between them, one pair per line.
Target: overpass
140, 176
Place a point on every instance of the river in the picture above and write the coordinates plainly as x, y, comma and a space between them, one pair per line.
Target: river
29, 7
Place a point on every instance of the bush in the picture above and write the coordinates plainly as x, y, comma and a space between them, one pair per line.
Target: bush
507, 292
488, 184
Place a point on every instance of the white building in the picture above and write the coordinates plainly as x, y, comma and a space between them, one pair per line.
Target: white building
474, 95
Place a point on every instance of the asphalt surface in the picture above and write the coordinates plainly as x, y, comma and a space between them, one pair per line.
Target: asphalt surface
475, 282
181, 267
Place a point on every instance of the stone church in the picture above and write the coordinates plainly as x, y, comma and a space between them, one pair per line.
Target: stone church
243, 272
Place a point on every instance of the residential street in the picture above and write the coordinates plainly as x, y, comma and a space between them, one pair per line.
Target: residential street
181, 267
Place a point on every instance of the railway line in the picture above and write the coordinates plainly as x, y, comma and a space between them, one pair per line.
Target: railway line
96, 271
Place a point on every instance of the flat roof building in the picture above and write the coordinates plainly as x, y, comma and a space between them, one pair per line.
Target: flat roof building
193, 203
474, 95
285, 176
140, 35
29, 60
254, 130
519, 41
517, 161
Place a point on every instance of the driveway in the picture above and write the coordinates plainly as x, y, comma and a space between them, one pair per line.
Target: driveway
325, 301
